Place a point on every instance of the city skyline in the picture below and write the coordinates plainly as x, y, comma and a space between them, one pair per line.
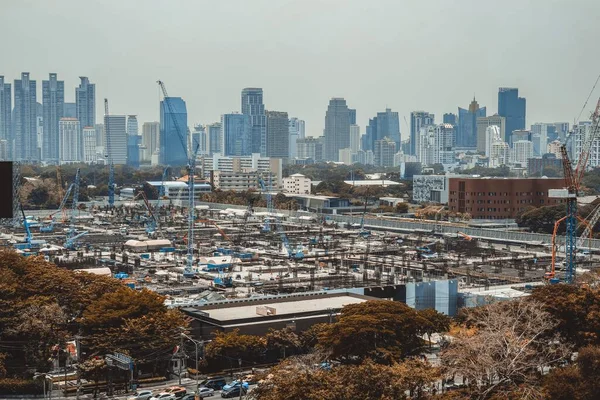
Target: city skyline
322, 66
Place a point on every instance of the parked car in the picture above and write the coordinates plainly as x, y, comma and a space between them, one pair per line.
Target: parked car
163, 396
141, 395
205, 392
215, 383
234, 384
233, 392
189, 397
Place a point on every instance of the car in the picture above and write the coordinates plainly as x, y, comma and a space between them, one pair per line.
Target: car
234, 384
205, 392
141, 395
189, 397
233, 391
215, 383
163, 396
177, 391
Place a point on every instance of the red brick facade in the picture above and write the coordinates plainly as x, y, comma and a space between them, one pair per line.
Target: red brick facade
500, 198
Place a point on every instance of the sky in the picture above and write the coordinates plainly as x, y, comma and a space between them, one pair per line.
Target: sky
407, 55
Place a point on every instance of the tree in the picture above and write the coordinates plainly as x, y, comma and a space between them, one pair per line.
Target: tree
93, 369
381, 330
283, 340
402, 208
434, 322
580, 381
541, 219
232, 346
509, 343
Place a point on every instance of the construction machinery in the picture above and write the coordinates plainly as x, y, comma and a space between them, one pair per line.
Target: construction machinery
109, 159
49, 227
191, 170
72, 234
219, 229
573, 178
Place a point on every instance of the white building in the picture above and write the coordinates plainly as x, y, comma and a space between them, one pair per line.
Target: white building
297, 183
355, 138
492, 135
521, 152
296, 131
253, 163
117, 129
89, 145
581, 132
430, 188
384, 152
443, 148
554, 148
70, 143
499, 154
132, 125
345, 155
150, 137
425, 144
485, 122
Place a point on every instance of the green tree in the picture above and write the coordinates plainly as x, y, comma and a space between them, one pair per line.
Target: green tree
285, 340
434, 322
233, 346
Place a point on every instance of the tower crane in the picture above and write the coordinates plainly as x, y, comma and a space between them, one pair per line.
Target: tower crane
108, 156
573, 180
72, 235
191, 169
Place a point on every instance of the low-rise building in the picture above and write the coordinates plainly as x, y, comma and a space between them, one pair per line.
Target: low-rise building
297, 183
240, 181
499, 198
430, 189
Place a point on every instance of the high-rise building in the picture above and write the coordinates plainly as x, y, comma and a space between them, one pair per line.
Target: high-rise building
499, 154
150, 142
213, 136
554, 148
39, 127
198, 140
522, 151
116, 127
520, 135
384, 152
562, 130
337, 128
278, 134
252, 105
25, 122
513, 108
311, 147
545, 133
443, 148
99, 135
5, 112
297, 131
85, 99
133, 142
71, 144
355, 138
450, 118
345, 156
4, 156
493, 134
236, 131
482, 124
70, 110
173, 116
89, 145
385, 124
418, 119
467, 125
352, 112
53, 98
425, 145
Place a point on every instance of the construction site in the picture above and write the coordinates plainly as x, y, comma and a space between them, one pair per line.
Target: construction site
199, 253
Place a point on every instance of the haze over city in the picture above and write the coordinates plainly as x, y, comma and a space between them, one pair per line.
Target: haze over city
404, 55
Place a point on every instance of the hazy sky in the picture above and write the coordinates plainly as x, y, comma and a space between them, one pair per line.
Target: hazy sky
403, 54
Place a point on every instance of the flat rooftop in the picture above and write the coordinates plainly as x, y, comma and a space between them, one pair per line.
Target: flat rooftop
294, 306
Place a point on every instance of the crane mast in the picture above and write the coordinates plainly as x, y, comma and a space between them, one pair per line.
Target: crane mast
111, 167
191, 169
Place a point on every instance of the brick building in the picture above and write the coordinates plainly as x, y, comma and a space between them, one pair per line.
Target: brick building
500, 198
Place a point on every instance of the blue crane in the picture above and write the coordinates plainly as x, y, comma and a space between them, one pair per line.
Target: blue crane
63, 202
111, 166
28, 235
191, 170
267, 224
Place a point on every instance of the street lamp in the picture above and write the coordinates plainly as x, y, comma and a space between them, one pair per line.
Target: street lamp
183, 335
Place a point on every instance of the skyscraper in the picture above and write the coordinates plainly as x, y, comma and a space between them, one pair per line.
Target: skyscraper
385, 124
150, 134
5, 111
53, 98
278, 131
418, 119
252, 105
384, 152
85, 99
70, 110
467, 125
89, 145
26, 148
213, 136
71, 143
172, 147
133, 142
198, 140
337, 128
355, 138
296, 130
482, 124
352, 112
115, 126
512, 107
236, 132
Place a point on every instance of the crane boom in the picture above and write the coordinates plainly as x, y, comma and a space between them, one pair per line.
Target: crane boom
592, 221
191, 169
587, 146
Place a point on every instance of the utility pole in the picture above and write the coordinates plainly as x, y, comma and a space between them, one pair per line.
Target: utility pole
180, 355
